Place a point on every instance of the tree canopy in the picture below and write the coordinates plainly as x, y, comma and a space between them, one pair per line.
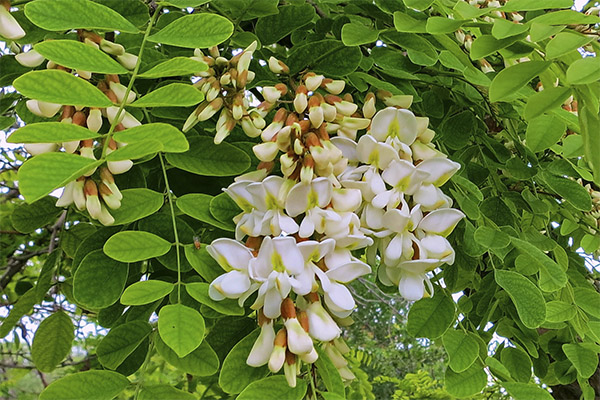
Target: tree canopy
216, 185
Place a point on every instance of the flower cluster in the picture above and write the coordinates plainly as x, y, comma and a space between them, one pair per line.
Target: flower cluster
95, 191
378, 191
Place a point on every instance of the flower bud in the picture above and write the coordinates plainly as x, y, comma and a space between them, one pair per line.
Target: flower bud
274, 127
301, 99
40, 148
120, 90
111, 200
94, 120
109, 181
290, 369
278, 67
111, 48
30, 59
78, 194
313, 81
92, 201
249, 128
244, 62
315, 112
105, 218
369, 107
277, 357
66, 198
263, 347
210, 109
266, 151
128, 60
333, 86
237, 111
9, 27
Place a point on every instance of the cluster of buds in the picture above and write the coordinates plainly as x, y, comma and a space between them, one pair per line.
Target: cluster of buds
95, 191
9, 26
592, 216
224, 88
296, 233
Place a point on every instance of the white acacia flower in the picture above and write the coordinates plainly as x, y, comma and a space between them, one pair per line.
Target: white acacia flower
263, 347
404, 178
346, 231
320, 324
411, 277
311, 199
268, 197
234, 258
394, 123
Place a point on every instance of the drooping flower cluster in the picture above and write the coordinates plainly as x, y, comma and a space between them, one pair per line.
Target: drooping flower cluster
378, 191
95, 191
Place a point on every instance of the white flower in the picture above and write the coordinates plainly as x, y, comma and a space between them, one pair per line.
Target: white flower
404, 178
320, 324
346, 231
30, 59
268, 197
39, 148
394, 123
9, 27
411, 276
263, 347
233, 257
311, 198
298, 340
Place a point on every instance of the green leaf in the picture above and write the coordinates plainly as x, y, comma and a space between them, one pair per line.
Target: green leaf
584, 71
539, 32
544, 132
418, 49
547, 99
50, 132
431, 317
203, 361
224, 209
510, 80
486, 45
327, 56
439, 25
525, 295
564, 43
26, 218
274, 387
195, 31
161, 392
6, 122
63, 15
174, 67
534, 5
132, 246
145, 292
235, 374
419, 5
504, 28
355, 34
44, 281
589, 243
203, 263
199, 291
405, 23
329, 374
197, 205
491, 238
559, 311
187, 3
181, 328
209, 159
497, 368
52, 341
588, 300
526, 391
60, 87
517, 362
172, 139
462, 349
565, 17
135, 150
552, 276
173, 95
89, 385
137, 204
78, 55
23, 306
584, 360
120, 342
466, 383
99, 280
43, 173
272, 28
570, 190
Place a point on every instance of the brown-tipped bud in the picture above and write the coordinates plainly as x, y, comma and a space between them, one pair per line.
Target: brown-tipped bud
266, 166
312, 140
314, 101
79, 118
106, 176
322, 132
112, 78
281, 338
278, 67
288, 309
313, 297
111, 96
303, 319
90, 188
214, 52
290, 358
242, 79
67, 112
304, 125
87, 143
332, 99
348, 97
261, 318
383, 94
112, 145
103, 86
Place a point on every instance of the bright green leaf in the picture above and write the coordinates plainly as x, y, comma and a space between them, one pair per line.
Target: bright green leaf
431, 317
517, 362
437, 25
135, 150
559, 311
546, 100
525, 295
52, 341
145, 292
203, 361
491, 238
565, 17
552, 276
534, 5
162, 392
60, 87
197, 205
355, 34
418, 5
202, 262
588, 300
120, 342
466, 383
544, 132
173, 95
510, 80
486, 45
274, 387
584, 360
526, 391
462, 349
195, 31
199, 291
174, 67
235, 374
504, 28
564, 43
584, 71
50, 132
132, 246
405, 23
329, 374
172, 139
181, 328
78, 55
137, 204
89, 385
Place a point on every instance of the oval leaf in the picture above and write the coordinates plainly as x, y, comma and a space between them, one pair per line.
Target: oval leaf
525, 295
235, 374
552, 276
132, 246
171, 138
512, 79
431, 317
50, 132
197, 205
546, 100
355, 34
135, 150
274, 387
137, 204
199, 291
203, 361
543, 132
181, 328
570, 190
161, 392
192, 31
78, 55
120, 342
60, 87
174, 67
584, 360
462, 349
89, 385
584, 71
173, 95
466, 383
146, 292
52, 341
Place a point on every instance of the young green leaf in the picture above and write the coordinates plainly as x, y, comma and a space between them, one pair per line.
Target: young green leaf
564, 43
504, 28
132, 246
419, 5
96, 385
173, 95
209, 159
439, 25
52, 341
78, 55
60, 87
525, 295
510, 80
202, 262
63, 15
355, 34
559, 311
171, 138
534, 5
199, 291
431, 317
50, 132
406, 23
203, 361
274, 387
195, 31
181, 328
43, 173
584, 360
462, 349
588, 300
466, 383
99, 281
173, 67
584, 71
485, 45
120, 342
546, 100
544, 132
145, 292
137, 204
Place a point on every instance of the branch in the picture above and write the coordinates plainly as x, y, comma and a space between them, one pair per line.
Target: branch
320, 12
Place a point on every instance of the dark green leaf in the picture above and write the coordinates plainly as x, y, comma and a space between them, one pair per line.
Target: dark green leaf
203, 361
570, 190
120, 342
235, 374
466, 383
52, 341
273, 28
89, 385
26, 218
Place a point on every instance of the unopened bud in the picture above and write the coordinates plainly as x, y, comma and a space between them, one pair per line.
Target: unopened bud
30, 59
278, 67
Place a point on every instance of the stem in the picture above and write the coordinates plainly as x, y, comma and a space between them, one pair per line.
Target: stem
312, 382
131, 81
138, 385
170, 196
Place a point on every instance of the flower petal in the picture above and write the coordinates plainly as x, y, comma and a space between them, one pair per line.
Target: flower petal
230, 254
349, 272
441, 222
